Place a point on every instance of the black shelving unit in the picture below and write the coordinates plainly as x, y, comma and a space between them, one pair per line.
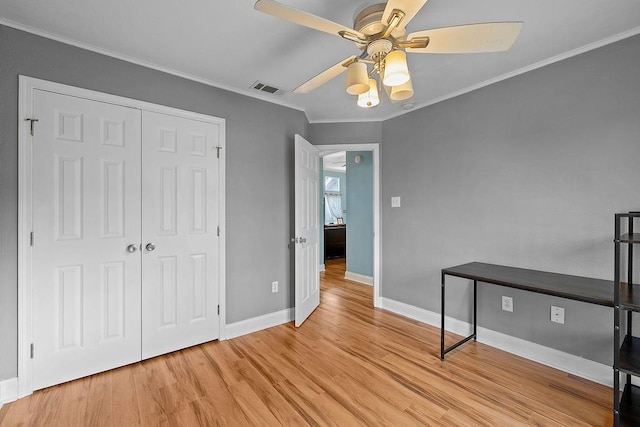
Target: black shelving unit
626, 360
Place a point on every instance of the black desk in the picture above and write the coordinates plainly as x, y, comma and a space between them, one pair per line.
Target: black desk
585, 289
335, 241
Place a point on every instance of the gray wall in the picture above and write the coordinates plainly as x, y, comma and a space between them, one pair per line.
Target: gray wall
259, 159
345, 133
527, 172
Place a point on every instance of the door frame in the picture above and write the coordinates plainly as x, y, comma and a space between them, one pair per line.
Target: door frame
27, 88
375, 149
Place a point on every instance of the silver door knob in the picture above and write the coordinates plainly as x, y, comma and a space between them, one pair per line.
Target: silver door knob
132, 248
150, 247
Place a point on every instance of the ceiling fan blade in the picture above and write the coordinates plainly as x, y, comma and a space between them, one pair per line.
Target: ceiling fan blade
409, 7
325, 76
296, 16
472, 38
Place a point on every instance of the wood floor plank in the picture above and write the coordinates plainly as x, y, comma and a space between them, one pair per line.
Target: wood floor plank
216, 409
336, 413
349, 364
506, 371
151, 383
426, 414
254, 408
99, 402
375, 401
271, 397
124, 398
265, 355
222, 357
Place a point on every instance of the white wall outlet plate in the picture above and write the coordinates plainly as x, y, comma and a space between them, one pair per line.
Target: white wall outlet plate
395, 202
557, 314
274, 286
507, 303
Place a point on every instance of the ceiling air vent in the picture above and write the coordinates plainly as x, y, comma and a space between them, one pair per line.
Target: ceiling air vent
265, 87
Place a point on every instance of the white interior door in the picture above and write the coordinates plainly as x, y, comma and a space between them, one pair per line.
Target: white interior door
180, 241
86, 213
307, 279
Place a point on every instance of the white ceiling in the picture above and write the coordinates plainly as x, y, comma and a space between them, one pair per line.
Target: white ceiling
230, 45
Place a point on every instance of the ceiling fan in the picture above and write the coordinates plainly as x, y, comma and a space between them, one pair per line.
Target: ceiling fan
379, 31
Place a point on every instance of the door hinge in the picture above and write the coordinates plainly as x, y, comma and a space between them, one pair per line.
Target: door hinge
31, 239
218, 151
31, 350
218, 228
218, 309
32, 122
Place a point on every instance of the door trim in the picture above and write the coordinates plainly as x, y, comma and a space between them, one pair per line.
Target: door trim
375, 149
27, 88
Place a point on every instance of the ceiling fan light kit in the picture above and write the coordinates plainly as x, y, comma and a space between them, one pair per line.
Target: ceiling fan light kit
401, 92
371, 98
396, 70
379, 31
357, 78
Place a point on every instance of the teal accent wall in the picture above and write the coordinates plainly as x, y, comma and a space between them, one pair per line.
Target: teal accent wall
360, 209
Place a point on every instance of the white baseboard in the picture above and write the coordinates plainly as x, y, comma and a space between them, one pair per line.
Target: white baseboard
322, 267
360, 278
8, 390
593, 371
259, 323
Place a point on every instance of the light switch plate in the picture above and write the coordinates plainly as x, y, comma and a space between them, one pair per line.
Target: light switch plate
395, 202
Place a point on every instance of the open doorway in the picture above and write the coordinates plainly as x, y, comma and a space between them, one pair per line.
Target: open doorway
333, 215
349, 212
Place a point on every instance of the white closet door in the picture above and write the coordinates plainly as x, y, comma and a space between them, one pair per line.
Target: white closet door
86, 212
180, 242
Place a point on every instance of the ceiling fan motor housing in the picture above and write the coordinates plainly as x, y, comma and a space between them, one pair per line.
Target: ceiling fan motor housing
378, 49
367, 20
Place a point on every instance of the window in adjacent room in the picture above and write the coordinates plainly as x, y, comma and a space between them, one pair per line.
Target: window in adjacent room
332, 200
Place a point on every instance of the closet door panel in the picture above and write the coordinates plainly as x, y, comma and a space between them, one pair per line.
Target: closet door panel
86, 213
180, 242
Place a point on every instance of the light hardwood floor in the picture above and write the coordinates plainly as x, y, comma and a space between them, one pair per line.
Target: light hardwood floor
349, 364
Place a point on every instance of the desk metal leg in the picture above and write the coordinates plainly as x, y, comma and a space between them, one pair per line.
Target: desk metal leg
442, 317
475, 310
444, 350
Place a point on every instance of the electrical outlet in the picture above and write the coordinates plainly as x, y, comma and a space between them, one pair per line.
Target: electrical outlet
557, 314
507, 303
274, 286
